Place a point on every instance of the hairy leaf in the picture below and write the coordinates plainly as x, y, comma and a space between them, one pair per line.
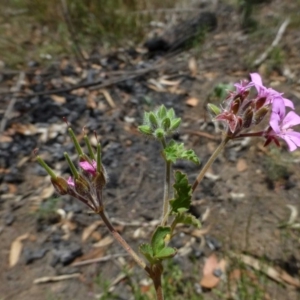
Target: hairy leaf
176, 151
183, 194
187, 219
158, 239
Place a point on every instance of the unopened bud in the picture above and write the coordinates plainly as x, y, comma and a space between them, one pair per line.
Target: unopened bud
99, 181
60, 185
235, 105
260, 102
247, 117
81, 186
159, 133
260, 114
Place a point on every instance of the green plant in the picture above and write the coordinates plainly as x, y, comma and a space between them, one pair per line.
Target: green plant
241, 112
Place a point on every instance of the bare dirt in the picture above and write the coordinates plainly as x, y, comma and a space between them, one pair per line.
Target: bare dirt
246, 191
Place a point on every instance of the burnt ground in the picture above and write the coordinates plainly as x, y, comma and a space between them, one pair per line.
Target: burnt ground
246, 192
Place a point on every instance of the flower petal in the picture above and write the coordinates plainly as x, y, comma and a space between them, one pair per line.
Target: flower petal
256, 79
70, 182
290, 120
86, 166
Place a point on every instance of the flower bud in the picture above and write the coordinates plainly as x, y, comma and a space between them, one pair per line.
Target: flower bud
235, 105
260, 114
247, 117
159, 133
60, 185
81, 186
260, 102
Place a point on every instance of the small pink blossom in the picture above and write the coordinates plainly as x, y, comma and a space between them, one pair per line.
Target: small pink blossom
71, 182
270, 94
243, 86
282, 128
90, 168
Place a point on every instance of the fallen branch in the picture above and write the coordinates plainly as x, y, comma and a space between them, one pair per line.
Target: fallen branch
276, 41
56, 278
12, 102
96, 260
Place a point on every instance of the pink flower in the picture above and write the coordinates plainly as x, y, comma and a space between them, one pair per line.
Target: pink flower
243, 86
271, 95
90, 168
71, 182
282, 128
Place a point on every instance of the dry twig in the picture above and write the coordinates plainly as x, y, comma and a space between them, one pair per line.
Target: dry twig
276, 41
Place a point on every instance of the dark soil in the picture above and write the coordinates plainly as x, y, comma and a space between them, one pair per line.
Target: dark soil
247, 190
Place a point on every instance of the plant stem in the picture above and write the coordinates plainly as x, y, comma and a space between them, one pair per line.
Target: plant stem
167, 188
123, 243
209, 162
155, 274
158, 288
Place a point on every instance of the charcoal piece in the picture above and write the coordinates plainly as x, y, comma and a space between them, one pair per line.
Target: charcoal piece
183, 34
31, 256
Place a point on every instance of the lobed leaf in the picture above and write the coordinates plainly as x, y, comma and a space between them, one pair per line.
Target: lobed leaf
183, 194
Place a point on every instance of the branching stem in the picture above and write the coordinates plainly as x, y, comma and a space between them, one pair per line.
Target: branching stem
123, 243
209, 162
167, 188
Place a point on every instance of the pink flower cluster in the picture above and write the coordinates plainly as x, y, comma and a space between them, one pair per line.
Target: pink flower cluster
242, 111
281, 124
89, 168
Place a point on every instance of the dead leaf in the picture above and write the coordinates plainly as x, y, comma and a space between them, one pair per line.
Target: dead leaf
89, 230
277, 275
193, 66
16, 249
209, 280
24, 129
47, 192
192, 102
241, 165
294, 214
58, 99
108, 98
104, 242
94, 253
91, 99
5, 139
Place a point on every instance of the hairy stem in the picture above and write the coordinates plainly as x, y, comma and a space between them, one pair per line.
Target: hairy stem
167, 188
122, 242
209, 162
156, 276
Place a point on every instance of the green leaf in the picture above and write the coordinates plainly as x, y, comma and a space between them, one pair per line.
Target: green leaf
213, 109
183, 194
147, 251
175, 123
145, 129
158, 239
176, 151
187, 219
162, 112
171, 113
166, 252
